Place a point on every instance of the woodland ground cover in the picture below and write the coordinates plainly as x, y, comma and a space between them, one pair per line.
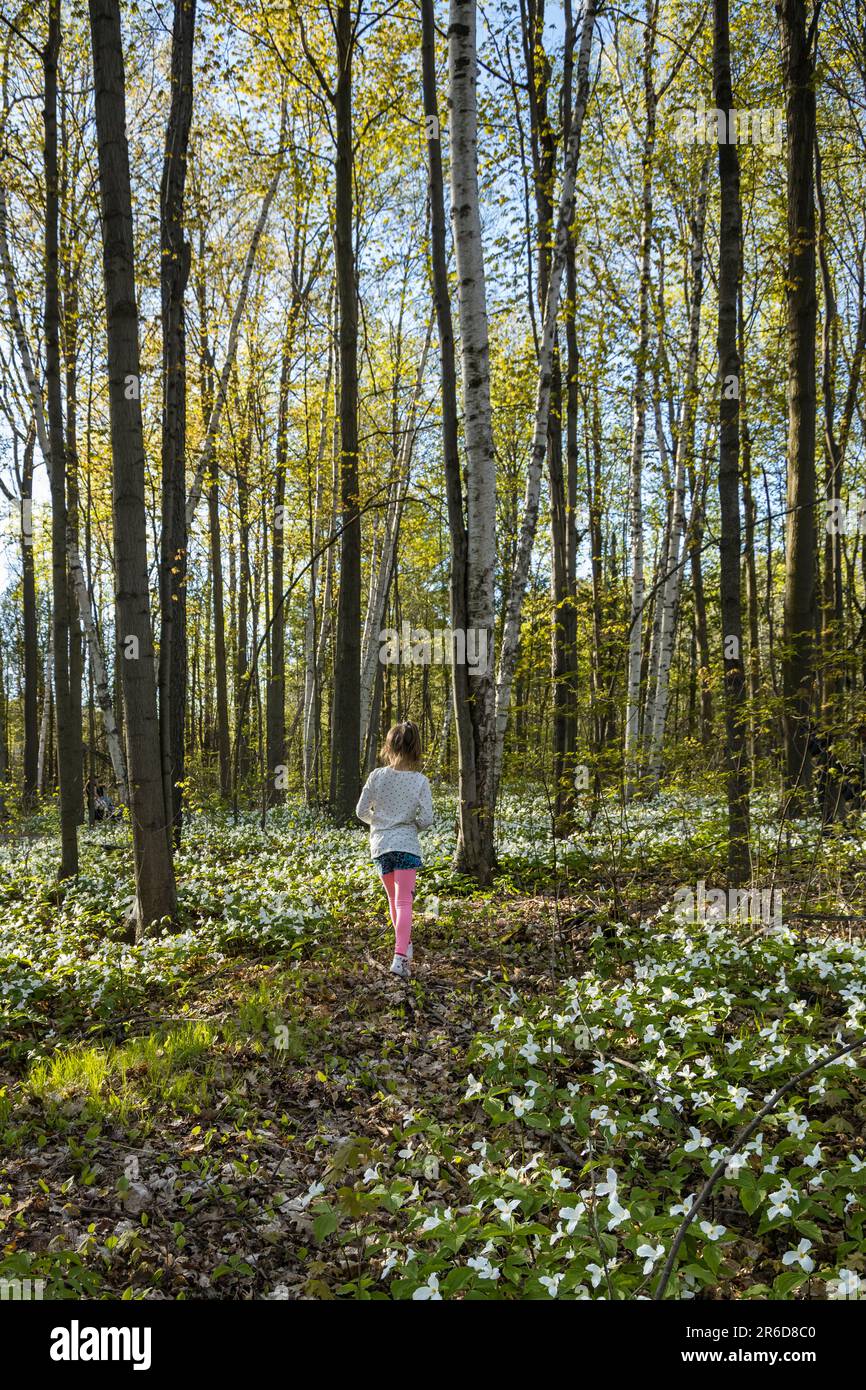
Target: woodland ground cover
251, 1107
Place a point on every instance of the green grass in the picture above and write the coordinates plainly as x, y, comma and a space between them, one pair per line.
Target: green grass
172, 1068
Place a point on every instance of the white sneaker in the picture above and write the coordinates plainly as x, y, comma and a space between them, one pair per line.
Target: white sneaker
400, 966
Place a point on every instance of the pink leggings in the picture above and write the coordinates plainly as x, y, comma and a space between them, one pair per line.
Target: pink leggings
400, 887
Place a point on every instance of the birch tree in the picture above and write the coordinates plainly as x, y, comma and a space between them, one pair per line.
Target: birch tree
476, 857
469, 848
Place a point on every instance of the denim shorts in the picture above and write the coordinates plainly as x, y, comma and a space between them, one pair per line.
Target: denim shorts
396, 859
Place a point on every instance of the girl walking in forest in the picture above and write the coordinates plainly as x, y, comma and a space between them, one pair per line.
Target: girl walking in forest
396, 803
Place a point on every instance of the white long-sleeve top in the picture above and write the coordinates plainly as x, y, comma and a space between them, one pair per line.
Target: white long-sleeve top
395, 804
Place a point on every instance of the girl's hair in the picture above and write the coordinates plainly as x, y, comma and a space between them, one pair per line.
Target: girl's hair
402, 745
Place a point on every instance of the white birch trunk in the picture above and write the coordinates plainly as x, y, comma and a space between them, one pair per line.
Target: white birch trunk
475, 364
526, 541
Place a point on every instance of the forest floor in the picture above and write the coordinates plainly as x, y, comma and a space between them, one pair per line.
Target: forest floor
256, 1108
211, 1122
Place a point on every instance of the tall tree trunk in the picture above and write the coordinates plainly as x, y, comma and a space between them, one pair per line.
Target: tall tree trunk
174, 273
70, 257
346, 708
475, 857
750, 512
638, 429
66, 744
275, 695
242, 649
4, 737
154, 872
729, 462
469, 827
698, 489
314, 649
798, 72
31, 643
567, 663
214, 537
45, 722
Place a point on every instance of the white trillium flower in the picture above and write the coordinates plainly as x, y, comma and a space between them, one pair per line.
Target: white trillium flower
779, 1208
800, 1256
428, 1291
683, 1208
618, 1214
571, 1216
552, 1282
607, 1188
697, 1141
507, 1209
847, 1284
649, 1253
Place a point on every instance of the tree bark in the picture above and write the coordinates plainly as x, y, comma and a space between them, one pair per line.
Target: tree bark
728, 383
275, 695
633, 683
469, 828
214, 537
802, 310
154, 872
174, 273
346, 707
31, 644
66, 744
475, 857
